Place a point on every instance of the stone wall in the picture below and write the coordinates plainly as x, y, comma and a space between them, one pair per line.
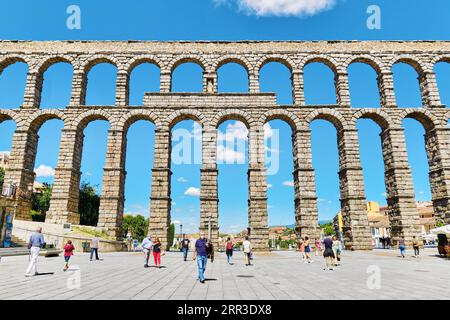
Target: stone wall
210, 109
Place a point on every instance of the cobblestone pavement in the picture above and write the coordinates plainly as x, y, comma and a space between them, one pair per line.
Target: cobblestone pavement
280, 275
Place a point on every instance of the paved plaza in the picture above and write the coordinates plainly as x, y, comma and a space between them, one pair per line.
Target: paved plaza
379, 274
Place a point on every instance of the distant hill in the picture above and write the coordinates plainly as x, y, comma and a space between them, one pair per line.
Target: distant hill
293, 225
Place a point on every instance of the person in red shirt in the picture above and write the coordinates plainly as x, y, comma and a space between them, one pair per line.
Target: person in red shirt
68, 252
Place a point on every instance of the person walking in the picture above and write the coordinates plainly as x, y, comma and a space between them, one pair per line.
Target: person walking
401, 246
328, 253
157, 251
94, 248
185, 247
229, 245
301, 248
146, 245
35, 244
415, 245
307, 251
68, 253
201, 256
317, 246
337, 248
247, 251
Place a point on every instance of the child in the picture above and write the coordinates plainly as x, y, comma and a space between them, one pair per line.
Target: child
68, 252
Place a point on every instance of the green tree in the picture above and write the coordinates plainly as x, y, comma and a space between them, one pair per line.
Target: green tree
171, 234
2, 176
89, 204
328, 229
40, 202
137, 225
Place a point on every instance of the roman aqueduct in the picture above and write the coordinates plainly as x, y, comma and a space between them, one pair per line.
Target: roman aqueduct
254, 109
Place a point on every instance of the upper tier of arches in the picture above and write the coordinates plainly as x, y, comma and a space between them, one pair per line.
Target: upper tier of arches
82, 64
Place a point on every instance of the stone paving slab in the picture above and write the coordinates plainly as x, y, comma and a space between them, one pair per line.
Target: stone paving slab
279, 275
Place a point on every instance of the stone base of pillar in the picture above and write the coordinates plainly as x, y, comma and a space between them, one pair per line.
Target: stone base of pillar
62, 217
357, 238
259, 237
155, 230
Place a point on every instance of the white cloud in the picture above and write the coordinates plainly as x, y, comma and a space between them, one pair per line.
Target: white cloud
182, 180
137, 209
269, 186
234, 131
193, 192
228, 155
288, 183
282, 7
44, 171
176, 222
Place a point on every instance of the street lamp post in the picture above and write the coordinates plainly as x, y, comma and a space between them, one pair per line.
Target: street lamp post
181, 231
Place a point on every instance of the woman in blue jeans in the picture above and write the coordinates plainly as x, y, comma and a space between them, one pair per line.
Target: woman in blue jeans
401, 246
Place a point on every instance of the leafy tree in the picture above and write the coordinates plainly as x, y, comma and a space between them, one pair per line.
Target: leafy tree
328, 229
89, 204
2, 177
40, 202
137, 225
171, 234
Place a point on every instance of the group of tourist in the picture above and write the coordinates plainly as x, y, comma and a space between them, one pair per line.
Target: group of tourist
332, 248
37, 242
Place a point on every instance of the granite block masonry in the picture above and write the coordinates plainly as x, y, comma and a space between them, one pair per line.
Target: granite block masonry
210, 108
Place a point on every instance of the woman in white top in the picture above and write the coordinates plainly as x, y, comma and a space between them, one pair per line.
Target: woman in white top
247, 251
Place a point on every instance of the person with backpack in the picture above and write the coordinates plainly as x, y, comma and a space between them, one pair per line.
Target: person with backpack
229, 245
68, 253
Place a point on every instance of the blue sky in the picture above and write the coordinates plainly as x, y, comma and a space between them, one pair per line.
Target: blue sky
226, 20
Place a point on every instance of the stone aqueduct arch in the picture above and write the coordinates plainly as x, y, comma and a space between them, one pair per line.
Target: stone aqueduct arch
209, 108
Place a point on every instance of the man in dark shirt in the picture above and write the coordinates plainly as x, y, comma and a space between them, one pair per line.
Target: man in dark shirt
200, 254
185, 247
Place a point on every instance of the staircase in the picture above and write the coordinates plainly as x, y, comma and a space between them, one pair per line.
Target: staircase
18, 248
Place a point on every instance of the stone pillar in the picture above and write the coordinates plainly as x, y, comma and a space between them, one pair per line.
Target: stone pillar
160, 198
385, 82
122, 88
165, 85
429, 90
210, 85
66, 186
306, 213
437, 142
253, 82
33, 90
257, 191
79, 85
20, 169
402, 208
209, 199
342, 89
298, 88
356, 229
112, 198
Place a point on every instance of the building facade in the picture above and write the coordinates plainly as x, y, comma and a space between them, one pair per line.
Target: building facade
254, 109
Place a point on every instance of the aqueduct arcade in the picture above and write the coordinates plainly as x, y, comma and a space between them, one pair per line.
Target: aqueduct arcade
209, 108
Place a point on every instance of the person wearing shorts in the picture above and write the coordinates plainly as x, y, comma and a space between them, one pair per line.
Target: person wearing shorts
68, 253
307, 251
328, 253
